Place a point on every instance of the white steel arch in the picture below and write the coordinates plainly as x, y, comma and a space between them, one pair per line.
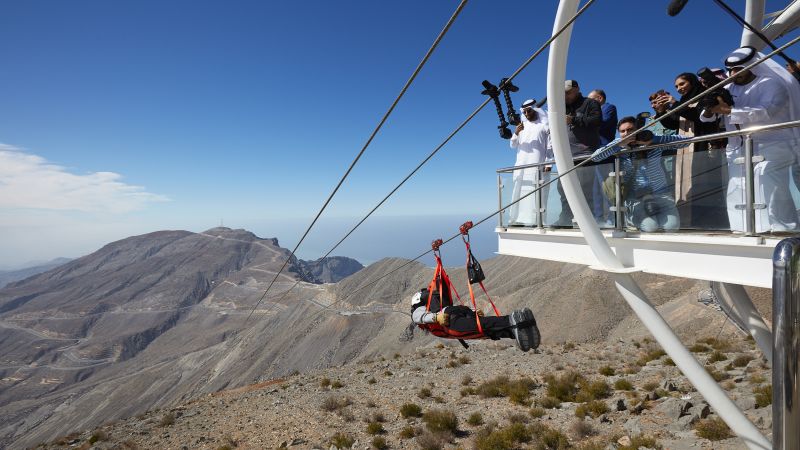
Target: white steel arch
633, 295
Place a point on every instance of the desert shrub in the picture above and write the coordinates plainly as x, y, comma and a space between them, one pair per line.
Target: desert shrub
410, 410
549, 402
467, 391
594, 408
716, 344
563, 387
503, 439
650, 386
453, 363
388, 373
432, 441
640, 441
569, 346
371, 403
623, 385
325, 382
424, 393
337, 384
650, 355
341, 440
715, 374
716, 356
466, 380
699, 348
335, 403
167, 419
763, 395
98, 436
669, 362
439, 420
757, 378
379, 442
607, 371
517, 391
630, 370
359, 371
548, 438
407, 432
592, 390
464, 359
378, 417
537, 412
713, 429
372, 380
742, 360
475, 419
375, 428
582, 429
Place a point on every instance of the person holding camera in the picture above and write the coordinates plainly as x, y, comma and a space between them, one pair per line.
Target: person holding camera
647, 193
531, 139
766, 94
584, 117
699, 168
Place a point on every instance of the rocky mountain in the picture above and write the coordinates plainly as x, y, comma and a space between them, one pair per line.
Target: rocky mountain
9, 276
158, 320
332, 268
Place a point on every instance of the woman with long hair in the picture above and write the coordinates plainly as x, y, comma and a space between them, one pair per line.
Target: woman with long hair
700, 169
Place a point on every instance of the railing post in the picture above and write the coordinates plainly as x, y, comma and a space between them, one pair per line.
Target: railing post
786, 345
750, 192
537, 184
500, 200
619, 217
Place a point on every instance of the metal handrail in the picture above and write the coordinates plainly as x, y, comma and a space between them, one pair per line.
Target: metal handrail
703, 138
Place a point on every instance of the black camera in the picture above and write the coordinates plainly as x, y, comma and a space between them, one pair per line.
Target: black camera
641, 121
709, 79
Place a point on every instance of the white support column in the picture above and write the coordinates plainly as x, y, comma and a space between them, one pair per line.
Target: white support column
633, 295
736, 299
787, 20
754, 15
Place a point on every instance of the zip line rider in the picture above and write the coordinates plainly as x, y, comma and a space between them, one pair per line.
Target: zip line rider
461, 319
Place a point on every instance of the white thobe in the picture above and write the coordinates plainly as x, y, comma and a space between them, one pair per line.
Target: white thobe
763, 101
533, 147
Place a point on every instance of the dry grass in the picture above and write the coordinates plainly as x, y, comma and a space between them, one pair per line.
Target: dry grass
713, 429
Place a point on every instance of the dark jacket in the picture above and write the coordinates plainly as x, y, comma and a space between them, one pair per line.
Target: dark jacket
585, 129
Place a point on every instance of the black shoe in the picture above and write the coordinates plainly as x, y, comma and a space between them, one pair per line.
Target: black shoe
522, 334
536, 338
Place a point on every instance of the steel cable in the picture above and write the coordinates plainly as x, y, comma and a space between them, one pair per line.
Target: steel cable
364, 148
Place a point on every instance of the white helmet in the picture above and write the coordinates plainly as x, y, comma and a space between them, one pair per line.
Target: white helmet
416, 298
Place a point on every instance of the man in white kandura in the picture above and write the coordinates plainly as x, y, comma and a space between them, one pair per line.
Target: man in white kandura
766, 94
532, 141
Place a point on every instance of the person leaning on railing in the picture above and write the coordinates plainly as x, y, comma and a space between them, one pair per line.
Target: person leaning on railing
647, 194
766, 94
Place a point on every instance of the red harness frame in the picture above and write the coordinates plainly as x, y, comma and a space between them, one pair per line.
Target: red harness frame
441, 284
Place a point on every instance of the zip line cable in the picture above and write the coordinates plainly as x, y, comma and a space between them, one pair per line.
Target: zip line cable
613, 143
456, 131
368, 142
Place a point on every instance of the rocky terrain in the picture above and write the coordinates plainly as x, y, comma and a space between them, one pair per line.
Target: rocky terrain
147, 347
617, 395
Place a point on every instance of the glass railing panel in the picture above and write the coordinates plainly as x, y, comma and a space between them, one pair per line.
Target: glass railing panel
520, 185
700, 179
597, 187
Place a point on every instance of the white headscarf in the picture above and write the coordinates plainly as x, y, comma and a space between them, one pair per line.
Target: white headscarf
744, 56
543, 119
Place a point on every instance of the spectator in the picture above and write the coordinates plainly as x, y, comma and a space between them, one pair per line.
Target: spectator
661, 101
532, 141
648, 197
699, 168
583, 120
608, 128
765, 94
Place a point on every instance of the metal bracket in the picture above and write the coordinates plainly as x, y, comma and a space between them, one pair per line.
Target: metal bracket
741, 207
614, 208
755, 159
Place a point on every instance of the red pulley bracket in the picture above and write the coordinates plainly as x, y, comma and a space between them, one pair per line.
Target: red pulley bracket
436, 244
464, 229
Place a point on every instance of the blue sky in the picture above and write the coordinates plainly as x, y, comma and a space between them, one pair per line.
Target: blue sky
121, 118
